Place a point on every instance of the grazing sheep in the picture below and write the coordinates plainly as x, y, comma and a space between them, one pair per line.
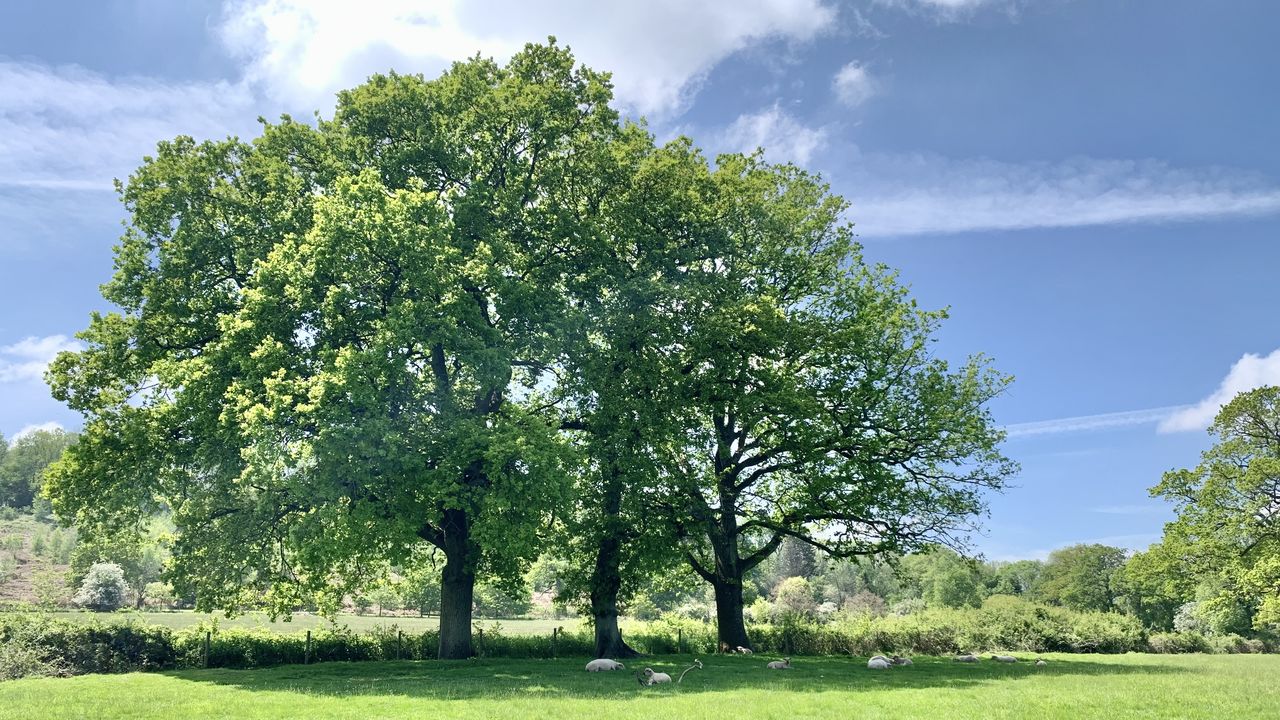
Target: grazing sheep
967, 658
1041, 662
1004, 658
744, 650
879, 662
604, 665
783, 664
901, 661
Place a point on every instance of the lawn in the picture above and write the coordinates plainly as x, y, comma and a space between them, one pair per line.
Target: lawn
306, 621
1114, 687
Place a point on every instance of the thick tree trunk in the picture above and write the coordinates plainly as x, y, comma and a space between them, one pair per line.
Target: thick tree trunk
457, 588
605, 582
730, 627
606, 578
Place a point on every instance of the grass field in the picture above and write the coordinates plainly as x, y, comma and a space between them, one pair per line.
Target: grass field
304, 621
1114, 687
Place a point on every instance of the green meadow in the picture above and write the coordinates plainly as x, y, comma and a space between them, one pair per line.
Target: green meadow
1115, 687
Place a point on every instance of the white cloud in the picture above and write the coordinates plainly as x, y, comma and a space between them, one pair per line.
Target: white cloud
45, 427
915, 194
854, 85
1100, 421
303, 51
783, 138
65, 128
949, 10
1249, 372
27, 359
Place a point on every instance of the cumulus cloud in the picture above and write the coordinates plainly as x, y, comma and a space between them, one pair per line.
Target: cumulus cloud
783, 138
854, 85
28, 358
1248, 373
916, 194
659, 51
41, 427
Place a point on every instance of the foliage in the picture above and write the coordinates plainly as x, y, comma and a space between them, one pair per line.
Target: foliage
794, 598
1227, 528
944, 579
22, 467
1080, 577
103, 588
334, 340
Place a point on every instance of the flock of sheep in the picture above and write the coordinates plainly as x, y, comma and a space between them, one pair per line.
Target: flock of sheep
877, 662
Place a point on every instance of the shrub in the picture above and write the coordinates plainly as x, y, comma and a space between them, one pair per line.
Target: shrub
103, 588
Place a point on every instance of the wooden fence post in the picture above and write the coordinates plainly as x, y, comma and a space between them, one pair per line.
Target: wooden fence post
399, 640
207, 636
679, 641
306, 655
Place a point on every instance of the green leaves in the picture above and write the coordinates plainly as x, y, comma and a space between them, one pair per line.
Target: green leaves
1228, 524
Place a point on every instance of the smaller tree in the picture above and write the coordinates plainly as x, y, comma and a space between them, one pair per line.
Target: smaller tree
794, 598
1080, 577
103, 588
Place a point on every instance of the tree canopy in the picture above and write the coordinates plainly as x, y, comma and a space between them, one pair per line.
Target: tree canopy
1227, 528
481, 314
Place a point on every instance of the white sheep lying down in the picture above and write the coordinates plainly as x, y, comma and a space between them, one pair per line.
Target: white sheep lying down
879, 662
784, 664
604, 665
967, 658
1004, 658
653, 678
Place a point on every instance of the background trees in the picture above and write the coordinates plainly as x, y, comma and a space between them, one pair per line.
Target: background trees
22, 465
1227, 531
1080, 577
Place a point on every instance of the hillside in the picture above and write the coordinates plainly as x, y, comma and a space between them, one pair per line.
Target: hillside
34, 560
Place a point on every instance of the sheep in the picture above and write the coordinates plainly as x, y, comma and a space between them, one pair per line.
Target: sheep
604, 665
879, 662
901, 661
783, 664
1040, 662
1004, 658
744, 650
649, 677
653, 678
967, 658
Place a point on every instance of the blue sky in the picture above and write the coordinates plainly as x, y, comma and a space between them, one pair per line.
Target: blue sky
1091, 186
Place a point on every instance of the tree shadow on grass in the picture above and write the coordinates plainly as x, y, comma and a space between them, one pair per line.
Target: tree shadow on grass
566, 678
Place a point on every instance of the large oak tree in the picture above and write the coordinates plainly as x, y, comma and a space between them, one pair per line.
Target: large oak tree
813, 406
332, 340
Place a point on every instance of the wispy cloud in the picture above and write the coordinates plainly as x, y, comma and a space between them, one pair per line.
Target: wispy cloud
1249, 372
783, 138
304, 50
27, 359
895, 195
1100, 421
950, 10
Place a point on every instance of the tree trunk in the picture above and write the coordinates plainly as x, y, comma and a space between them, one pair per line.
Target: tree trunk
605, 582
457, 588
730, 627
606, 578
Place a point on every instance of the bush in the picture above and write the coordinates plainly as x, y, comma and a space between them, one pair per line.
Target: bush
103, 588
